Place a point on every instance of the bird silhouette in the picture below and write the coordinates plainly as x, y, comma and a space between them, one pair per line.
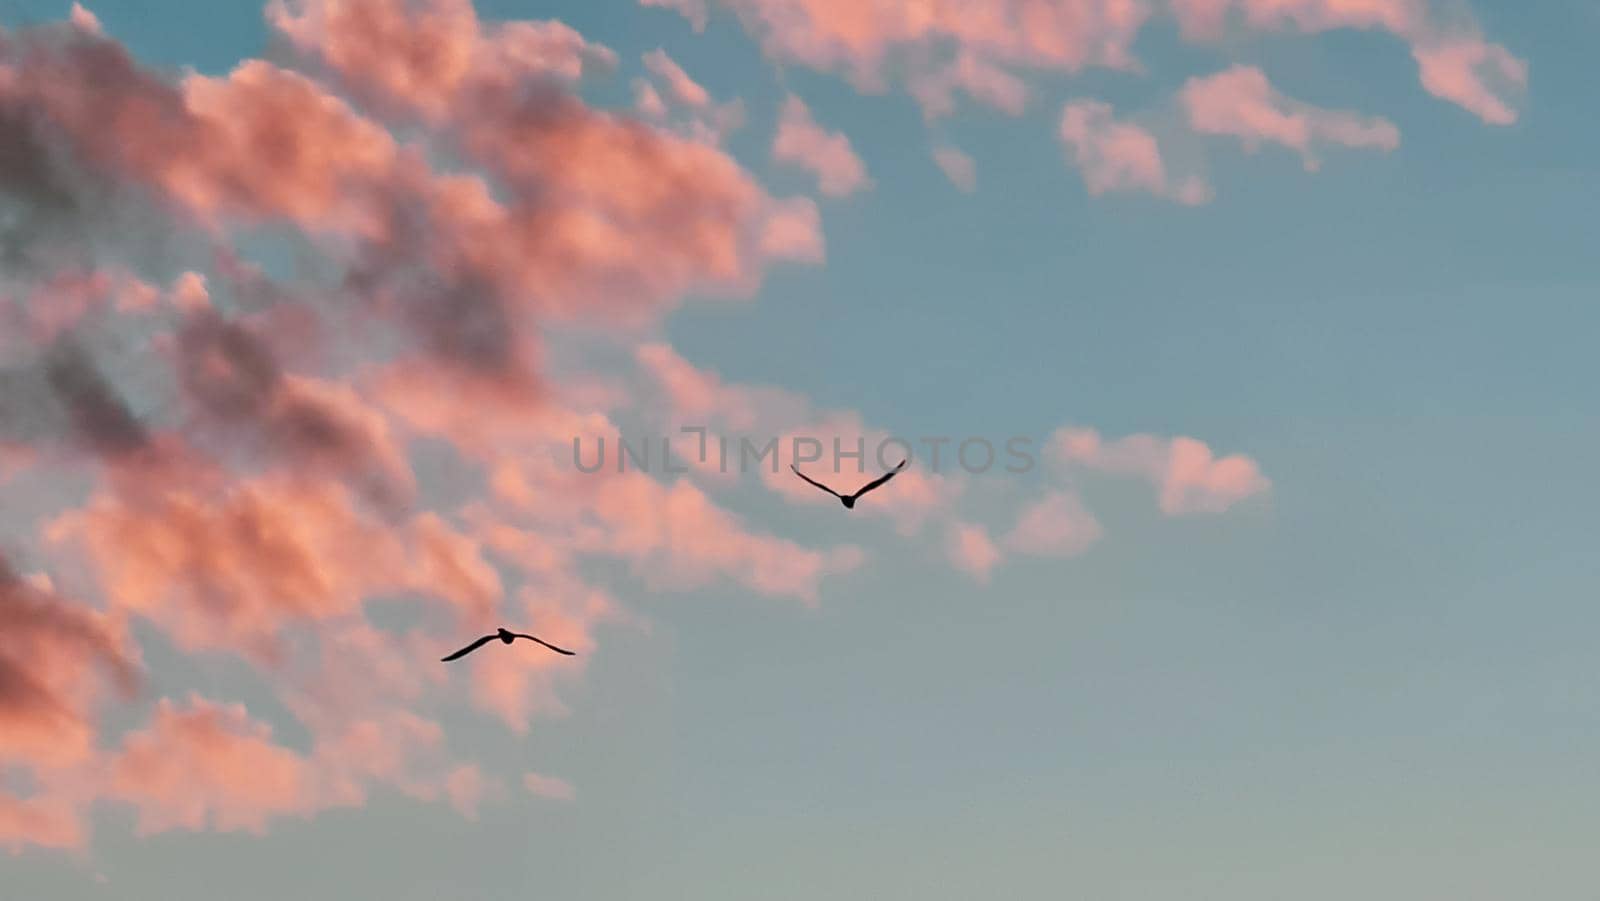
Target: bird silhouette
505, 636
849, 500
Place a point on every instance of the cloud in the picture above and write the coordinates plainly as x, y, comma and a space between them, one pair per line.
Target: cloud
421, 57
1208, 18
1456, 63
1116, 155
693, 10
249, 489
958, 167
1241, 103
678, 102
232, 563
1188, 476
972, 551
233, 382
516, 688
84, 19
465, 787
865, 41
98, 414
254, 464
605, 215
203, 765
801, 142
39, 822
1057, 525
672, 535
683, 88
647, 101
983, 81
58, 661
1461, 69
760, 415
997, 52
548, 787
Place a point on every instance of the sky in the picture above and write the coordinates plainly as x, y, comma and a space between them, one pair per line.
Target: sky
303, 306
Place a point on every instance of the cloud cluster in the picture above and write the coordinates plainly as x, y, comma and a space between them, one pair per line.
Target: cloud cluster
989, 50
215, 448
827, 154
229, 460
1239, 102
979, 46
1186, 474
1116, 155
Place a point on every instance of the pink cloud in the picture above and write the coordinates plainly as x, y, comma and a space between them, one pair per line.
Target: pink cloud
1456, 64
647, 100
678, 103
1207, 18
983, 81
793, 231
693, 10
255, 496
202, 765
353, 687
827, 154
1198, 482
628, 217
420, 56
1057, 525
84, 19
1240, 102
59, 304
1461, 68
1121, 156
972, 551
683, 88
1188, 476
383, 745
548, 787
695, 395
750, 418
919, 494
603, 214
699, 397
975, 46
14, 459
465, 787
672, 534
260, 497
862, 39
39, 822
958, 167
198, 142
189, 292
558, 608
229, 566
990, 49
322, 173
58, 661
679, 538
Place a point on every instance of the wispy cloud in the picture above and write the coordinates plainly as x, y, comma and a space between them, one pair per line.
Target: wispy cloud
800, 141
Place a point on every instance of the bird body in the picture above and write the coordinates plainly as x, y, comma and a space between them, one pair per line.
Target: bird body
506, 636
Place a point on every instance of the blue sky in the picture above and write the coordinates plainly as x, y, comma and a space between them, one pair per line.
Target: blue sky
1375, 679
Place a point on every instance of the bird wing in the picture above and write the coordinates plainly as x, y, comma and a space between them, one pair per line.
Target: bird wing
469, 648
814, 481
545, 643
881, 479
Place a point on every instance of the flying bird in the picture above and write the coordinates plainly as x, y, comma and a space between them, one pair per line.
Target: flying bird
506, 637
849, 500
